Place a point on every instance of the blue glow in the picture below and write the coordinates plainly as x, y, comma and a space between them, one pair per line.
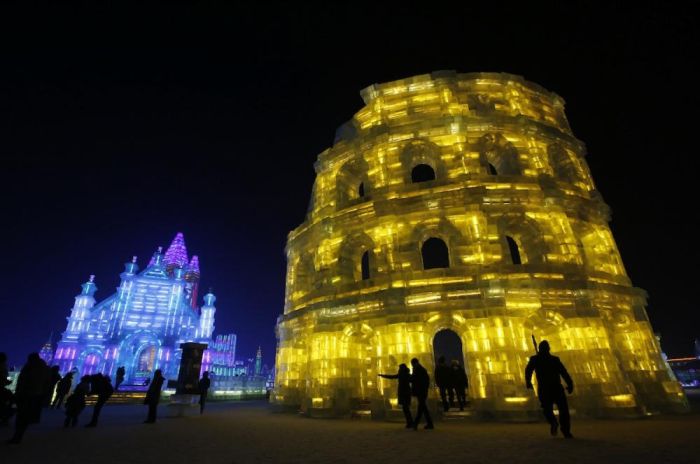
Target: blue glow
142, 325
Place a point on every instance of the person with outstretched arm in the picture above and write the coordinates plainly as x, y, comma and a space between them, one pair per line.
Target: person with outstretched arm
404, 391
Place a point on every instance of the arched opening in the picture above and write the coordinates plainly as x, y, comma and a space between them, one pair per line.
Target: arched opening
499, 155
422, 173
514, 251
435, 254
352, 183
144, 364
365, 265
447, 344
356, 260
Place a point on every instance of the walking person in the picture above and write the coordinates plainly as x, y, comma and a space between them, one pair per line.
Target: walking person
29, 395
420, 383
403, 392
204, 384
76, 402
52, 381
443, 380
62, 389
460, 383
102, 387
548, 370
153, 396
121, 373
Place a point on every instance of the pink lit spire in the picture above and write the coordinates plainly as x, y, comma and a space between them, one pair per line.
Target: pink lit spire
177, 252
194, 264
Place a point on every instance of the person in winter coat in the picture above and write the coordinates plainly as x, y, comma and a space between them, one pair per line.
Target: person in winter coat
153, 396
54, 378
62, 389
29, 395
459, 383
121, 373
101, 386
76, 402
420, 383
404, 391
549, 369
443, 380
6, 396
204, 384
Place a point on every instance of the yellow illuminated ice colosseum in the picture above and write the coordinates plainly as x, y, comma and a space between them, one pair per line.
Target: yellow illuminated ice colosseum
461, 204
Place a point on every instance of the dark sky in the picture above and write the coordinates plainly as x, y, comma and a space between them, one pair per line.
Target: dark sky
120, 128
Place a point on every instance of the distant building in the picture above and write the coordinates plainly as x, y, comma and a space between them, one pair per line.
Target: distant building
258, 362
47, 351
142, 325
223, 362
687, 371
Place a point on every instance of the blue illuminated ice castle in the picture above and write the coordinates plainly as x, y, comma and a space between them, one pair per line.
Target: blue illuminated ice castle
142, 325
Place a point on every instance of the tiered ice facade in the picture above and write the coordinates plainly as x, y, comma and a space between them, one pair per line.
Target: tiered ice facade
462, 203
142, 326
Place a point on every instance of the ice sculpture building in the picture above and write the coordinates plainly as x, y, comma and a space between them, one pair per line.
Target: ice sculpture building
142, 325
456, 213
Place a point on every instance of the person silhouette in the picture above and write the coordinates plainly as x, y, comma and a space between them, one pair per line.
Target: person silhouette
403, 392
52, 381
62, 389
119, 379
548, 370
420, 383
204, 384
459, 383
153, 396
76, 402
102, 387
443, 380
30, 393
6, 396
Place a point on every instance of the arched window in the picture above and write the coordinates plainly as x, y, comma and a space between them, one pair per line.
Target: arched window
514, 251
365, 265
435, 254
422, 173
352, 183
499, 155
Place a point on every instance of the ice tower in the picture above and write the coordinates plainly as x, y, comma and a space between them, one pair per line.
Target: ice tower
455, 214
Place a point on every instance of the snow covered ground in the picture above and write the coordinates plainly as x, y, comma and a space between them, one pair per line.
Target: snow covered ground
247, 432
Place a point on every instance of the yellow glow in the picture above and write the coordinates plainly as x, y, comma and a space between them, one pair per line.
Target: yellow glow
517, 399
339, 331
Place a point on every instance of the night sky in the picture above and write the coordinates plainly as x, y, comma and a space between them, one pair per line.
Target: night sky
120, 128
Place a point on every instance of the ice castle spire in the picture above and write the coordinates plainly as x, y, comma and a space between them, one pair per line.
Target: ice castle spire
131, 268
47, 350
176, 254
258, 361
89, 287
157, 257
194, 265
